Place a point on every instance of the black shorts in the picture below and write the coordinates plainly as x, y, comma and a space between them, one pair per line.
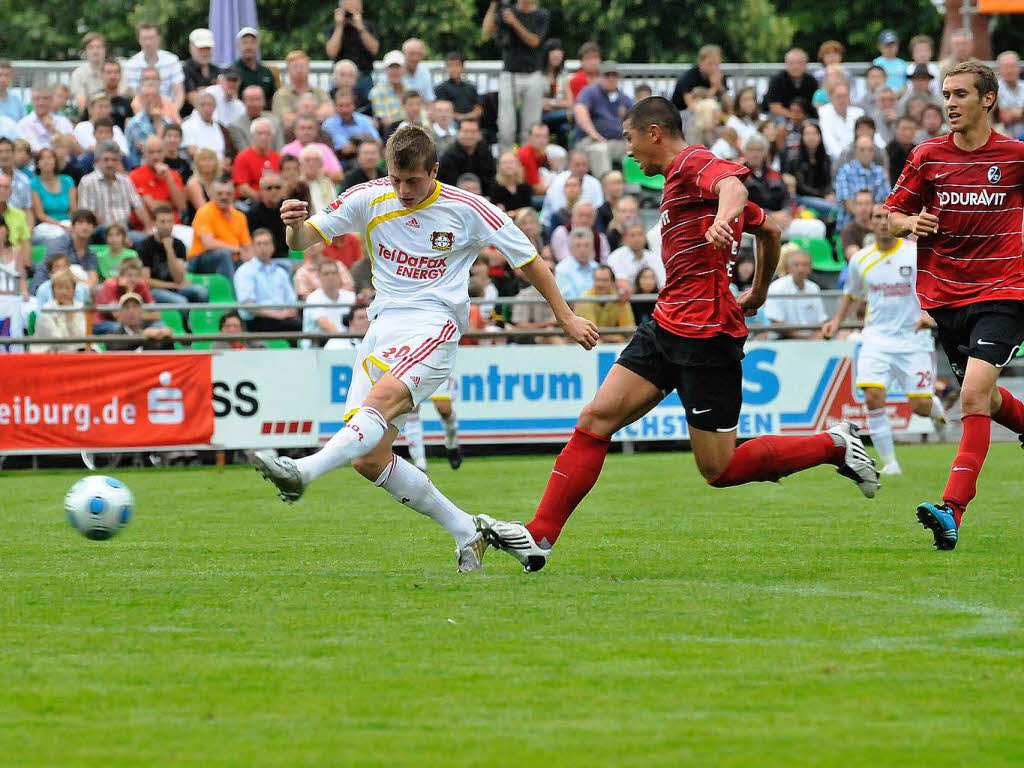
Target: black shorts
988, 330
706, 373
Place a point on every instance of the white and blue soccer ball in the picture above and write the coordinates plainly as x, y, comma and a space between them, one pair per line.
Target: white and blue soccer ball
98, 507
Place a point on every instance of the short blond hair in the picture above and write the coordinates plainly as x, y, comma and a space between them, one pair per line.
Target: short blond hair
296, 54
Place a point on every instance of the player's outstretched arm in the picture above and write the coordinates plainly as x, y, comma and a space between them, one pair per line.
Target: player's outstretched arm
579, 329
769, 241
299, 234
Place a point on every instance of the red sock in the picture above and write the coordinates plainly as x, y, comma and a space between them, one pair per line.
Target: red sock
575, 473
770, 457
1010, 413
963, 476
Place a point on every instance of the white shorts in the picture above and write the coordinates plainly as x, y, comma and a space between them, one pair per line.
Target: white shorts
912, 372
449, 392
416, 348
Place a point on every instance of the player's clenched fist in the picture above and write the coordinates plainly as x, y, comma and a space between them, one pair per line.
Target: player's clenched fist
582, 331
294, 212
719, 234
925, 224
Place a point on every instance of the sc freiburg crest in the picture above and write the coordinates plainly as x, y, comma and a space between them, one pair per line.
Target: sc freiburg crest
442, 241
994, 174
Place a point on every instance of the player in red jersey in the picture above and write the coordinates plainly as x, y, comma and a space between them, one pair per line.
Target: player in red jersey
963, 196
693, 344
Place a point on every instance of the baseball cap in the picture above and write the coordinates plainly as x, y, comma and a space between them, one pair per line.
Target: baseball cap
99, 96
609, 67
887, 37
921, 71
247, 31
392, 58
201, 38
130, 296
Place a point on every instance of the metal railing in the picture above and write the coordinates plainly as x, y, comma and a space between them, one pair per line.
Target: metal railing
483, 74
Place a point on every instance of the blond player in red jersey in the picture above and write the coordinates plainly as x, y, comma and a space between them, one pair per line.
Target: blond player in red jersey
693, 344
963, 196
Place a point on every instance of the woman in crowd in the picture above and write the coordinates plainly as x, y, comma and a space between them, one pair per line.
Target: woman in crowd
811, 166
207, 171
614, 185
626, 210
933, 124
54, 197
557, 103
61, 325
321, 189
509, 191
746, 115
529, 224
646, 282
707, 119
59, 262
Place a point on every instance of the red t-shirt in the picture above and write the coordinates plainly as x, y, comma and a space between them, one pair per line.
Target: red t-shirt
532, 164
979, 199
110, 293
250, 166
578, 82
696, 301
148, 183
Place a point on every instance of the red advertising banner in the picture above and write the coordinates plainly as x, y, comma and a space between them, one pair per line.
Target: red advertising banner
113, 400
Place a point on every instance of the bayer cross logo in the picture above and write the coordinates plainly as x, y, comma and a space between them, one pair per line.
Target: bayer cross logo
994, 174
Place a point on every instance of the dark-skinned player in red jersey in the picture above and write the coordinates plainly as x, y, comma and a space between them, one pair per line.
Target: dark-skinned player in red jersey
693, 344
963, 196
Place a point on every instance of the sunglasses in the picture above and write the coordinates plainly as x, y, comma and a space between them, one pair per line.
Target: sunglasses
271, 186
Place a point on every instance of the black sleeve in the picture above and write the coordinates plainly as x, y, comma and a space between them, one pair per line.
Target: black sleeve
684, 84
448, 168
774, 93
537, 22
146, 253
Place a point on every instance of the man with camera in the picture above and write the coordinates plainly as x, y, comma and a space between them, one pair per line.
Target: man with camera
519, 29
354, 39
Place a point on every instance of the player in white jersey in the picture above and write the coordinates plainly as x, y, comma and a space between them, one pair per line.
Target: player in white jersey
896, 345
444, 403
421, 237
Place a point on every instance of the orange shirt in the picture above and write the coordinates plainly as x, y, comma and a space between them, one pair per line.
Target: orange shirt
229, 228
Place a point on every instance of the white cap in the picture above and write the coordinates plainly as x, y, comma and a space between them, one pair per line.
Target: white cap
247, 31
394, 57
201, 38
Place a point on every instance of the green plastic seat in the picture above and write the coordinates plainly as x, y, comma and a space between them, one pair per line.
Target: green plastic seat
205, 320
633, 175
202, 346
277, 344
172, 319
297, 255
820, 250
219, 287
30, 324
38, 253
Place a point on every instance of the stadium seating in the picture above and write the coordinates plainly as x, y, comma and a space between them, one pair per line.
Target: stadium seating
172, 319
219, 287
820, 250
633, 175
38, 253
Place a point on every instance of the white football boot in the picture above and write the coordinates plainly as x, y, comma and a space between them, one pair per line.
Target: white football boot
515, 539
470, 557
282, 472
857, 465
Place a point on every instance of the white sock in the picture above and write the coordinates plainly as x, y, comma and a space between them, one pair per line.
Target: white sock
414, 434
881, 435
938, 412
357, 438
411, 487
451, 431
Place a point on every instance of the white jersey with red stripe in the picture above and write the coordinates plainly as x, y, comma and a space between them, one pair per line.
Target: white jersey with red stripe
420, 256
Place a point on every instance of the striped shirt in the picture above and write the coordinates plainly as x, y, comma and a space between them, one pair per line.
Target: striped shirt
696, 301
978, 196
111, 200
167, 65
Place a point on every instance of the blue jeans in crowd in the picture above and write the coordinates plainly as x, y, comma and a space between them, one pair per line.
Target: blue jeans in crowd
218, 260
820, 206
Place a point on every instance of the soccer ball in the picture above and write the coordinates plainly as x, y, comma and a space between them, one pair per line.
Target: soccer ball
99, 506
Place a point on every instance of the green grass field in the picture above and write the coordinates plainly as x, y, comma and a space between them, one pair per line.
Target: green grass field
771, 625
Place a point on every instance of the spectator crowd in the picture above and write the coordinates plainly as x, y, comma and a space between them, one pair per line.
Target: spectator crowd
139, 179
